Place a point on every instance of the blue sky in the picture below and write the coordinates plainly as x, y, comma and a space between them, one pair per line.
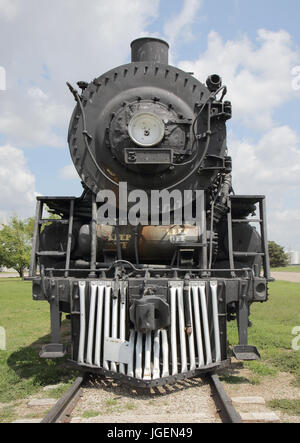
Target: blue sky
253, 45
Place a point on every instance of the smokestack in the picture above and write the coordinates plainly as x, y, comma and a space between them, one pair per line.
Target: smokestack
150, 49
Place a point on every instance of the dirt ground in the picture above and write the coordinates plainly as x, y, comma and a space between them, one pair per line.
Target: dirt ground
279, 387
8, 274
188, 401
293, 277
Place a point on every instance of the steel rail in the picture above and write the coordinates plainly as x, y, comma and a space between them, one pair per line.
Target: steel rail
65, 404
227, 411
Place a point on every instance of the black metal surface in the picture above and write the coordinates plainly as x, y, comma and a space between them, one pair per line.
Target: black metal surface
142, 156
35, 239
70, 234
227, 411
93, 237
138, 383
150, 314
56, 413
121, 93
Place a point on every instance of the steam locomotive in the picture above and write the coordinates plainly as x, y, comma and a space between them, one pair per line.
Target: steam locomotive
158, 253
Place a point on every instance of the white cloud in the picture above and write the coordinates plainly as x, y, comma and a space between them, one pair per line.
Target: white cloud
285, 227
17, 184
35, 121
68, 172
259, 79
43, 44
53, 42
37, 94
271, 167
180, 25
258, 76
9, 9
273, 162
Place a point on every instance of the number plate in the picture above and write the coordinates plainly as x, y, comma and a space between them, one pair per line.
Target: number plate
144, 156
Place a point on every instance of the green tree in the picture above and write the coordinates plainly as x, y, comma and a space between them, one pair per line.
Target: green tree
277, 255
15, 244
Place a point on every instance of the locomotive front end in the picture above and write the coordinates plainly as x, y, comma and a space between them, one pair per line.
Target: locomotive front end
158, 253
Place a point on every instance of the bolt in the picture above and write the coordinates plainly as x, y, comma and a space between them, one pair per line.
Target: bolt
189, 330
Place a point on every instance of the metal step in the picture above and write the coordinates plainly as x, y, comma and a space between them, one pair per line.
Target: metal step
246, 220
62, 221
248, 254
53, 350
51, 254
246, 352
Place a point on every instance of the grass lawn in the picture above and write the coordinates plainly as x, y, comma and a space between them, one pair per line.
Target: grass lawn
287, 269
26, 322
271, 331
23, 373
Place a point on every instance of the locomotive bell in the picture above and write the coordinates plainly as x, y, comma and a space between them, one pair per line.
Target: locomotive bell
214, 82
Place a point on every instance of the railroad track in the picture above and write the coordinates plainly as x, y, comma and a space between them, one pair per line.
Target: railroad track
226, 410
61, 411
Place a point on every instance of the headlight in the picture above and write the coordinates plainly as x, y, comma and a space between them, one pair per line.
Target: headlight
146, 129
